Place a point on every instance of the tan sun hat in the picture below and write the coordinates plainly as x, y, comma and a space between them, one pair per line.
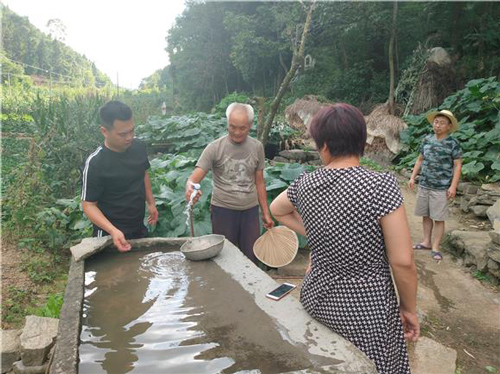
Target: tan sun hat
277, 247
447, 114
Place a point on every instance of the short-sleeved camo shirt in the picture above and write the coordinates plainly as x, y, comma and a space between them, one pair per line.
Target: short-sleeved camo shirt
437, 167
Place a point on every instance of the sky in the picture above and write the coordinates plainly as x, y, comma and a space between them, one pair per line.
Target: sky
125, 39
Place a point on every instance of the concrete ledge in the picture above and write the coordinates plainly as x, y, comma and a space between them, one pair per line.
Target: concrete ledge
292, 321
65, 359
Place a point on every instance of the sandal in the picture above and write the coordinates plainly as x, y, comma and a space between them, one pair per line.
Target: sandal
420, 246
437, 255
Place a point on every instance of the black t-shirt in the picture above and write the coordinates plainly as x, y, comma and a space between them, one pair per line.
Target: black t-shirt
115, 180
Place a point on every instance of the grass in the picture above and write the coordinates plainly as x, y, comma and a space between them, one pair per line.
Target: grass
483, 277
372, 165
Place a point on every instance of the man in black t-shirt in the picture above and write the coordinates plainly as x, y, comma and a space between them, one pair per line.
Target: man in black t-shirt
115, 180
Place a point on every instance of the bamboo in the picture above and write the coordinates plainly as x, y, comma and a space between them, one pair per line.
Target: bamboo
277, 247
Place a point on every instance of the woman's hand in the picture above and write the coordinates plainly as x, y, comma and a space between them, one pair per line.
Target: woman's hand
411, 325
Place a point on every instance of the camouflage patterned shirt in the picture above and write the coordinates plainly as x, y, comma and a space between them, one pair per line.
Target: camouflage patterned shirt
437, 167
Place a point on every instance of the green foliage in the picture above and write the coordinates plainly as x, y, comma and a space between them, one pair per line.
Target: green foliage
220, 47
371, 164
49, 136
52, 307
183, 133
169, 174
477, 107
28, 51
479, 275
281, 132
14, 306
235, 97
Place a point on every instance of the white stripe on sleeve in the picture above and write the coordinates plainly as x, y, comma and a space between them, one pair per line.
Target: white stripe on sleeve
86, 171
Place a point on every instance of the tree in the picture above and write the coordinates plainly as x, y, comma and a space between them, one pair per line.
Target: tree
56, 29
392, 43
297, 59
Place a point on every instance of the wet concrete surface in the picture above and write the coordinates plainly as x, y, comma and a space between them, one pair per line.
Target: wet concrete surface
155, 312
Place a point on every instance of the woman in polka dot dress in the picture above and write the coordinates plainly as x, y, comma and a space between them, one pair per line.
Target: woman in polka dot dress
357, 230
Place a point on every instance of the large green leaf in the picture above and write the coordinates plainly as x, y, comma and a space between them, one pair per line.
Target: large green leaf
473, 167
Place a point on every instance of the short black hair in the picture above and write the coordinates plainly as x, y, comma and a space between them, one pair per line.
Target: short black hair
114, 110
342, 128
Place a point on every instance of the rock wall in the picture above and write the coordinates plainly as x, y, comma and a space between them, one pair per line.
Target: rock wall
299, 156
480, 250
477, 198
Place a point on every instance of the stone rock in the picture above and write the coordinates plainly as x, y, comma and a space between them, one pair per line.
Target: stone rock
478, 255
464, 204
494, 268
316, 162
480, 210
494, 213
475, 244
38, 336
299, 155
431, 357
462, 186
495, 236
494, 252
280, 159
88, 246
9, 346
20, 368
492, 188
485, 199
471, 189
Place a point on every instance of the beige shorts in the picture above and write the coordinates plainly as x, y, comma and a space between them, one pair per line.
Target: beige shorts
432, 203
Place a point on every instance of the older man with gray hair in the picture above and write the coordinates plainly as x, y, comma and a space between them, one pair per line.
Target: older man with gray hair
237, 164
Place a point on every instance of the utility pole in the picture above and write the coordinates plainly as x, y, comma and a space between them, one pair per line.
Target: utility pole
50, 79
10, 84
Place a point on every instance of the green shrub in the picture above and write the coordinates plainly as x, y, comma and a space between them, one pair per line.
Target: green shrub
183, 133
235, 97
477, 107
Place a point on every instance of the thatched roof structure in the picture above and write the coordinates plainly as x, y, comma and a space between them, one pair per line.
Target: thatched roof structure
381, 124
436, 81
300, 113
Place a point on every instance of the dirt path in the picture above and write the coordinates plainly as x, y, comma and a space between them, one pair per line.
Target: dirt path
17, 288
459, 311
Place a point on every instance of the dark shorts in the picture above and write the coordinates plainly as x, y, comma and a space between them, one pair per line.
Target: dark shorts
240, 227
134, 233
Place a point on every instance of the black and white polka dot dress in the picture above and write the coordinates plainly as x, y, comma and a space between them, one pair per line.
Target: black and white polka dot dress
349, 288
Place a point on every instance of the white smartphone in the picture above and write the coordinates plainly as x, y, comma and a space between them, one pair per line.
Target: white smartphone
281, 291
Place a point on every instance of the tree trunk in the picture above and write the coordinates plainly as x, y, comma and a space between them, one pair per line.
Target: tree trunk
261, 115
297, 59
391, 58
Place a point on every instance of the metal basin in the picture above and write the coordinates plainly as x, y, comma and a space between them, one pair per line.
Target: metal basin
203, 247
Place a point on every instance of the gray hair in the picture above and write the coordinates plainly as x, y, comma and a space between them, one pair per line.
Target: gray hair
239, 106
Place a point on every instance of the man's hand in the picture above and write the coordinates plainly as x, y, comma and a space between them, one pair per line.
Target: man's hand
189, 191
120, 242
411, 183
451, 193
267, 221
153, 214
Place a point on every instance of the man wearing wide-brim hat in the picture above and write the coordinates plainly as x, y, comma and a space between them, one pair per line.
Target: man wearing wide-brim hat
441, 162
